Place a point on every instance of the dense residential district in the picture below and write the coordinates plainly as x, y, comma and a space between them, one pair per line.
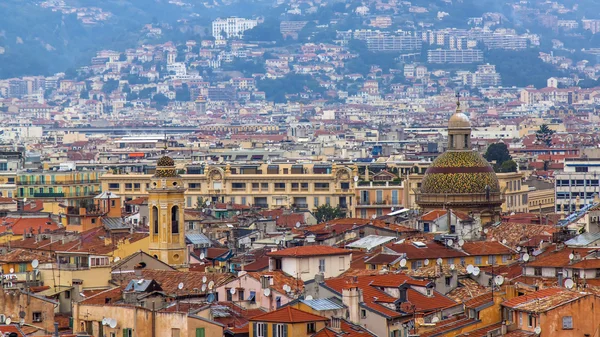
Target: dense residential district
309, 186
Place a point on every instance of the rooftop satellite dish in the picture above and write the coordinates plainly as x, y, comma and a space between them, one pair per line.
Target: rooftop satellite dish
518, 249
308, 298
277, 241
426, 262
238, 213
450, 242
104, 321
525, 257
485, 231
499, 279
8, 321
232, 291
435, 319
267, 292
298, 224
202, 256
12, 270
373, 216
117, 259
355, 178
204, 279
35, 264
461, 242
476, 271
403, 263
452, 267
569, 283
180, 286
537, 330
211, 285
204, 287
22, 314
210, 298
207, 202
113, 323
439, 261
571, 257
503, 241
470, 269
286, 287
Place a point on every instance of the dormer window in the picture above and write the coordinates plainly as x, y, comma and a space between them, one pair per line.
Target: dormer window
429, 292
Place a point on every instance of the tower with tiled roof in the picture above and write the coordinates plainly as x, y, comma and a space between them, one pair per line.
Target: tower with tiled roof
460, 178
166, 203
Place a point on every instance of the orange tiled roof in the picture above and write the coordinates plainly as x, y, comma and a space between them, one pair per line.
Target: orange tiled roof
553, 258
478, 301
279, 280
486, 248
288, 315
437, 213
432, 251
537, 297
301, 251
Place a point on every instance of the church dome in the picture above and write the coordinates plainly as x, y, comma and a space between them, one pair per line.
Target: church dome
459, 172
165, 167
165, 161
459, 121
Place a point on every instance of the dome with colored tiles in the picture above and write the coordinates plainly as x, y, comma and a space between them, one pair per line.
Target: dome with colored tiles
165, 167
459, 172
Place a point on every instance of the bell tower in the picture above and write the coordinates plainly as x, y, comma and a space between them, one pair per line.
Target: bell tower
166, 202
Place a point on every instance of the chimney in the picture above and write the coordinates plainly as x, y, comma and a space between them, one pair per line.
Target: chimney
319, 278
560, 278
56, 329
351, 298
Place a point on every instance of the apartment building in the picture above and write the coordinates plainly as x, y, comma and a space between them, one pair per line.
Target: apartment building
70, 186
454, 56
223, 29
291, 185
577, 184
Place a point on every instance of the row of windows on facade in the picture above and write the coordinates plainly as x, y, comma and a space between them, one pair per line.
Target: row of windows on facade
23, 192
577, 182
575, 195
478, 261
42, 179
128, 332
279, 330
271, 169
366, 196
575, 273
301, 202
240, 186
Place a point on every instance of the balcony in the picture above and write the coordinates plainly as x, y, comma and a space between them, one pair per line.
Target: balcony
260, 205
215, 191
72, 266
301, 206
63, 182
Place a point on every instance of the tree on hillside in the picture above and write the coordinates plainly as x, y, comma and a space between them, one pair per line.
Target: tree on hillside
110, 86
327, 213
544, 135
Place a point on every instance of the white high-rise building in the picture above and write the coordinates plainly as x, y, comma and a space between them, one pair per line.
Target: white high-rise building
223, 29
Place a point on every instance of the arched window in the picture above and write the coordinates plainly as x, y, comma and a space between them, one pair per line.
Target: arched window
155, 219
175, 220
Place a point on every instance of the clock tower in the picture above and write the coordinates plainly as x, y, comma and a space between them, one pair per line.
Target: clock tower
166, 202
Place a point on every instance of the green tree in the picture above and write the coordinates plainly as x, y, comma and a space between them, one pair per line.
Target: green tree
183, 94
497, 152
84, 94
327, 213
122, 57
160, 100
508, 166
544, 135
110, 86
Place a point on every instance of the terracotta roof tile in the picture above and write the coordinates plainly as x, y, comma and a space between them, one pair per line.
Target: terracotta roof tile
486, 248
478, 301
553, 258
279, 280
433, 250
170, 279
288, 315
466, 290
482, 332
542, 300
445, 327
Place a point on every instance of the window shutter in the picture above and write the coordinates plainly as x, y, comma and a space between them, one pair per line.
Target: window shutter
285, 330
254, 333
200, 332
124, 332
275, 331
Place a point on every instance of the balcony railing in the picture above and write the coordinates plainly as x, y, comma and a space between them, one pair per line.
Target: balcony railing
62, 182
261, 205
72, 266
459, 198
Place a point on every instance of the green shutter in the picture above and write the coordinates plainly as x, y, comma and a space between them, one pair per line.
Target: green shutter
285, 330
274, 330
71, 322
254, 332
200, 332
124, 332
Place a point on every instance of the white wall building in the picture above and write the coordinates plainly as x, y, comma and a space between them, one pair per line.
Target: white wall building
223, 29
307, 261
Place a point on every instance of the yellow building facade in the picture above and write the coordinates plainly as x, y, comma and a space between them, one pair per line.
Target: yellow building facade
71, 186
